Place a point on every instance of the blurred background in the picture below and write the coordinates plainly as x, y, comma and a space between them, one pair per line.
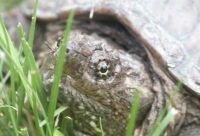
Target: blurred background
5, 5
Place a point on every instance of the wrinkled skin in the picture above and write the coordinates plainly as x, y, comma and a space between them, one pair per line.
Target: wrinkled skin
91, 93
100, 80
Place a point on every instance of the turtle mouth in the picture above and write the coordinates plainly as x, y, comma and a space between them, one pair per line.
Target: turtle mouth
87, 105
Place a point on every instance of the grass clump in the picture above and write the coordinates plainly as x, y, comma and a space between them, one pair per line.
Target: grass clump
23, 107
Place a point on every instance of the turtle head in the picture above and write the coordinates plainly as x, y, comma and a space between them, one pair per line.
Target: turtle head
98, 81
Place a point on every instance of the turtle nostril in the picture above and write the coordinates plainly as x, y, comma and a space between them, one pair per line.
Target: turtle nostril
59, 41
67, 50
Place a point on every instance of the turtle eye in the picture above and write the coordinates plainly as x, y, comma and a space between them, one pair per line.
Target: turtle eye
103, 69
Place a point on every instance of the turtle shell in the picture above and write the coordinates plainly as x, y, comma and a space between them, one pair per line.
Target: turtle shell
168, 29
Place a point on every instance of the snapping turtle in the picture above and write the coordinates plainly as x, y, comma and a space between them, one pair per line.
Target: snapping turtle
117, 47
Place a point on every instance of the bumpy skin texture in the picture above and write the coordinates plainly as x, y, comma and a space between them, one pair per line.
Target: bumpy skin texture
100, 81
91, 93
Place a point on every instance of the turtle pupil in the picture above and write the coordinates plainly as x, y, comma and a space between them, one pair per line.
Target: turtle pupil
104, 69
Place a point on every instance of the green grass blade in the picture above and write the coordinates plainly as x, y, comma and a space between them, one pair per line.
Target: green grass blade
163, 112
21, 94
39, 129
3, 123
4, 128
39, 94
133, 114
56, 113
70, 126
165, 122
24, 132
11, 53
33, 67
57, 133
36, 82
58, 73
29, 55
13, 90
66, 126
5, 39
101, 127
12, 56
32, 28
